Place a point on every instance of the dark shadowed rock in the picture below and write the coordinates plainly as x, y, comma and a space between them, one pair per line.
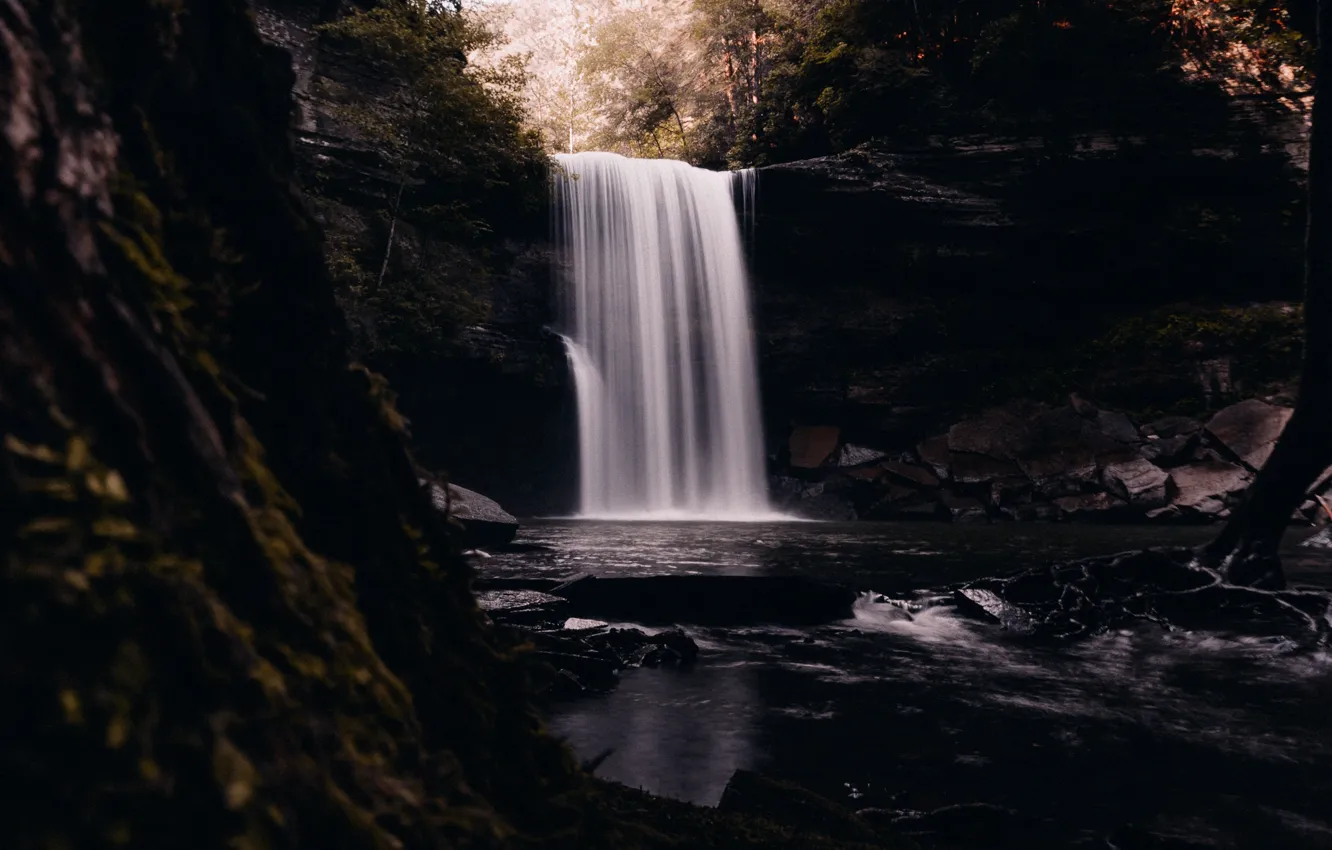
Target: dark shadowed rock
1008, 492
1170, 451
752, 794
483, 521
1249, 430
935, 454
1117, 426
910, 474
997, 433
1138, 482
812, 445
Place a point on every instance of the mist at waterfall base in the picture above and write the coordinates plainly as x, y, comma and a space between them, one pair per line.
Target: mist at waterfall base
656, 312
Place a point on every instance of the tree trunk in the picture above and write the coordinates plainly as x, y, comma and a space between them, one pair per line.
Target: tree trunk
393, 232
1246, 550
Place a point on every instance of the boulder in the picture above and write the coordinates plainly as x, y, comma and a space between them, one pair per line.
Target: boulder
895, 499
1117, 426
910, 474
1203, 488
1169, 451
858, 456
1007, 492
812, 445
1062, 446
936, 455
483, 521
1249, 430
1138, 482
996, 433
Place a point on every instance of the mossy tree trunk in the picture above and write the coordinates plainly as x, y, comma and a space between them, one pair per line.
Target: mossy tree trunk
1246, 550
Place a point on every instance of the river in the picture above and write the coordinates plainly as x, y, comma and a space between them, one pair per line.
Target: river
1221, 740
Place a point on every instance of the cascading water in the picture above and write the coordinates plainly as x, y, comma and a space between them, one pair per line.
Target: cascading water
659, 338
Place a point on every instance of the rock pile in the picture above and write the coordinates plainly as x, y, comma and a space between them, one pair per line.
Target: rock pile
1036, 462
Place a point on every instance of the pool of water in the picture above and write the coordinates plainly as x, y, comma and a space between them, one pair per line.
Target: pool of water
1224, 740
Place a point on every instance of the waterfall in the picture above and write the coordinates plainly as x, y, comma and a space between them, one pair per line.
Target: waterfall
656, 310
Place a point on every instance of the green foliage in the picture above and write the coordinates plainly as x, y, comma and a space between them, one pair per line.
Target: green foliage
462, 169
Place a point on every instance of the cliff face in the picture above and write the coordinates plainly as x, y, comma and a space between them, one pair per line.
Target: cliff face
485, 387
230, 617
899, 289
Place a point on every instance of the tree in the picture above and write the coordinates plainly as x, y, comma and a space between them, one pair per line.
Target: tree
457, 124
1246, 549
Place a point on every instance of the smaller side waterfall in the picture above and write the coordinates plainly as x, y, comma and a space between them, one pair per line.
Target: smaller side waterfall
656, 305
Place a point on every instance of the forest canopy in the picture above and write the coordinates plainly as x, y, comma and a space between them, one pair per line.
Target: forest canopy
751, 82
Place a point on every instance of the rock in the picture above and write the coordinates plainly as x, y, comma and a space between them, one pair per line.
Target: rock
984, 604
1201, 488
1139, 482
964, 508
858, 456
866, 473
812, 445
1081, 406
1090, 506
824, 506
1030, 513
997, 433
1321, 540
895, 499
1170, 451
970, 824
1249, 430
483, 521
910, 474
1007, 492
1117, 426
1062, 447
934, 452
752, 794
1165, 514
520, 606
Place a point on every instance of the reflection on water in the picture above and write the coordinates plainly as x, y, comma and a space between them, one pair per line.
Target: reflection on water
1206, 736
681, 733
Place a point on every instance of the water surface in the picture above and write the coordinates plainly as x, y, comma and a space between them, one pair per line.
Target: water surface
1211, 737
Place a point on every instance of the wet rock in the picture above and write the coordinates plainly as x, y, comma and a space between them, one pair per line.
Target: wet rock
520, 606
910, 474
812, 445
1201, 489
1320, 540
1249, 430
964, 508
851, 455
1008, 492
1138, 482
752, 794
894, 500
984, 604
1062, 450
483, 521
